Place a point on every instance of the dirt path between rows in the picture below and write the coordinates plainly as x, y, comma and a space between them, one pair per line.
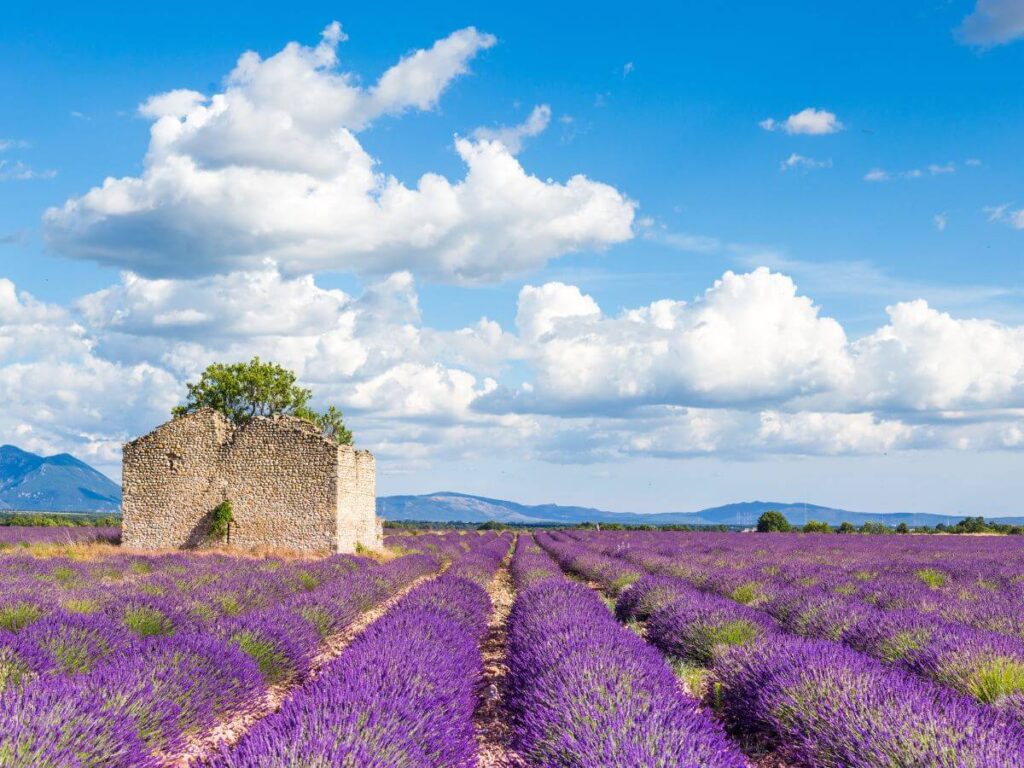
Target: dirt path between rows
493, 730
231, 731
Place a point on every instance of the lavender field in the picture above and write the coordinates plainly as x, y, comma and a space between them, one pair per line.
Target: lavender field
561, 648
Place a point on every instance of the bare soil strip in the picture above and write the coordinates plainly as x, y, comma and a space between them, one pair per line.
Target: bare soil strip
493, 731
229, 732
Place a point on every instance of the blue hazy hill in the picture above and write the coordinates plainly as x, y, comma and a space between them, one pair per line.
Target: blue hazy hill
59, 483
63, 483
446, 506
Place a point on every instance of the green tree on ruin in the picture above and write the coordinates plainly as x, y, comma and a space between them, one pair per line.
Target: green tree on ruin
243, 391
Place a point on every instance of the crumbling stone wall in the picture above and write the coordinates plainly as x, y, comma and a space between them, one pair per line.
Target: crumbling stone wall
287, 484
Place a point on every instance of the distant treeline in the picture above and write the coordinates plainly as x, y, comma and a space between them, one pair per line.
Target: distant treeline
775, 522
493, 525
58, 519
769, 522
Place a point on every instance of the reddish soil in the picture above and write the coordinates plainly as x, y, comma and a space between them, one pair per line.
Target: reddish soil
493, 731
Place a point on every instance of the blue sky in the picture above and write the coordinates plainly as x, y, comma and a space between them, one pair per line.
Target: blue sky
612, 369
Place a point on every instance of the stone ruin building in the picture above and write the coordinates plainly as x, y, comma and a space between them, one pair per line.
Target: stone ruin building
289, 486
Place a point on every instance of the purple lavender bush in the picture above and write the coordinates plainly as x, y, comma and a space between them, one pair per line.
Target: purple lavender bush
403, 694
821, 704
584, 691
699, 627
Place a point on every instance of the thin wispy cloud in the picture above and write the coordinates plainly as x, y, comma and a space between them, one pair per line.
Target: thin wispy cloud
19, 171
14, 238
861, 278
1005, 214
800, 162
514, 136
933, 169
685, 241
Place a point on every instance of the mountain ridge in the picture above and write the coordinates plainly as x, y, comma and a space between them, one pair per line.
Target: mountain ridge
55, 483
452, 506
62, 483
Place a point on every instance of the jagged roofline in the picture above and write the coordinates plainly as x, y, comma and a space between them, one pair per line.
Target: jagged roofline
281, 421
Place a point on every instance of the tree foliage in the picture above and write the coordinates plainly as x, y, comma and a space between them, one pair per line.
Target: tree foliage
817, 526
243, 391
772, 521
875, 528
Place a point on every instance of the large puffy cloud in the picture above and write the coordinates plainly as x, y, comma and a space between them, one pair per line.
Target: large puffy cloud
30, 328
271, 168
369, 354
58, 393
83, 404
749, 338
832, 433
89, 377
672, 431
752, 367
326, 335
927, 360
749, 367
420, 391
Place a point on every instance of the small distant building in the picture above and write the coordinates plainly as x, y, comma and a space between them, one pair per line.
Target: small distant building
289, 486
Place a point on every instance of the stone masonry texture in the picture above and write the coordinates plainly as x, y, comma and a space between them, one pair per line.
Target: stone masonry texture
288, 485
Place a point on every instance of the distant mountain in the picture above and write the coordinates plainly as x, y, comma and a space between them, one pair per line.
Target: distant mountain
459, 507
58, 483
62, 483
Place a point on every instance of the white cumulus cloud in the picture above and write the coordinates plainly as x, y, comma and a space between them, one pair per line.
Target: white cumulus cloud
749, 367
924, 359
272, 168
748, 338
810, 121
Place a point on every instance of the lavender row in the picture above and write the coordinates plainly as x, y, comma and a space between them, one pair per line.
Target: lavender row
29, 536
583, 691
822, 704
403, 694
974, 581
178, 592
815, 701
690, 624
77, 622
981, 664
98, 692
613, 574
